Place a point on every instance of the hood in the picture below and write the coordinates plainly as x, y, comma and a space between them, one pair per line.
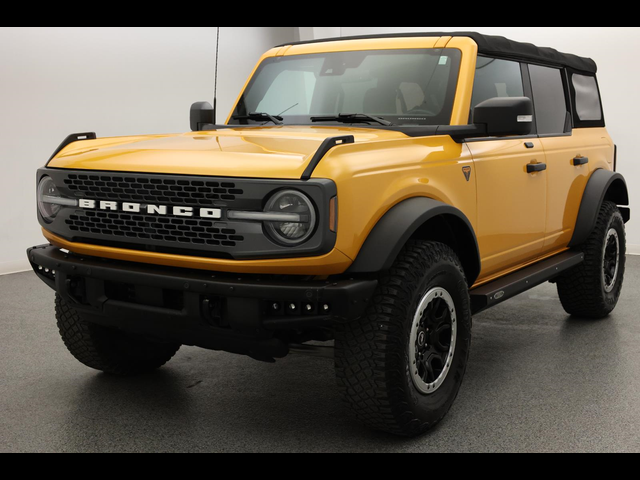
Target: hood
262, 152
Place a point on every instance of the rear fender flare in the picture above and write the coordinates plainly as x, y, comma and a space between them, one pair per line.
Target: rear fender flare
603, 186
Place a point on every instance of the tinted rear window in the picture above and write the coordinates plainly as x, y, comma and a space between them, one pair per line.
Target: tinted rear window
588, 106
550, 99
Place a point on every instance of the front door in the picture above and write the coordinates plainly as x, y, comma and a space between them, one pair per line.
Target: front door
512, 203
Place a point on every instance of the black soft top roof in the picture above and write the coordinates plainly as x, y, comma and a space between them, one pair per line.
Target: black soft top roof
494, 46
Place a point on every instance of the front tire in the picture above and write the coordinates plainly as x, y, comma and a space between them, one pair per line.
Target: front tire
401, 366
592, 290
108, 350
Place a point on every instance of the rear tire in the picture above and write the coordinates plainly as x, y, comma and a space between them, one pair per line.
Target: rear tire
592, 289
110, 351
420, 313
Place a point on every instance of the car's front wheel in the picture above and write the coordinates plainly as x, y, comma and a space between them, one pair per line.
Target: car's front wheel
401, 366
108, 350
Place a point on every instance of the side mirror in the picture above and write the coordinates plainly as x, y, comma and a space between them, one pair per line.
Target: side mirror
504, 117
201, 114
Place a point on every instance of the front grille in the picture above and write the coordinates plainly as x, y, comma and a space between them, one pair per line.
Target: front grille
163, 229
169, 233
156, 191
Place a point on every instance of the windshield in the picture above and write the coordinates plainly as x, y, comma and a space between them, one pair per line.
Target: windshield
404, 87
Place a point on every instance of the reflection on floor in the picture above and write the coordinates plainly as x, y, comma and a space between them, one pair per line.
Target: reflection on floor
538, 381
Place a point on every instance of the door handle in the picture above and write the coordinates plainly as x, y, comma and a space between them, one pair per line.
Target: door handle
536, 167
579, 161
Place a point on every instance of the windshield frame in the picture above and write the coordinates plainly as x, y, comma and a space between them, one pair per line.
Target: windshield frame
444, 118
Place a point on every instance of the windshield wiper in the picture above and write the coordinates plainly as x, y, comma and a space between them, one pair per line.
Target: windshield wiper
259, 117
353, 118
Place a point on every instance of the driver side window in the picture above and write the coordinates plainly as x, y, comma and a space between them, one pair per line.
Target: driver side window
496, 78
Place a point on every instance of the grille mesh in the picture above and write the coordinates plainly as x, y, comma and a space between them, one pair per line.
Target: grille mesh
157, 191
164, 229
140, 228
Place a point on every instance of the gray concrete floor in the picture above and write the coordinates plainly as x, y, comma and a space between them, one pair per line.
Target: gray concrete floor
538, 381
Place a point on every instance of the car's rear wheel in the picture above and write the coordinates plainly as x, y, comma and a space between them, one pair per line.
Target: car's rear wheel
401, 366
108, 350
592, 290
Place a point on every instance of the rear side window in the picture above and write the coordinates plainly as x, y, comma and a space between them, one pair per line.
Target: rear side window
588, 105
550, 100
496, 78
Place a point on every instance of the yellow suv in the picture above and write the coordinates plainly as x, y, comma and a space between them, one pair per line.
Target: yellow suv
372, 191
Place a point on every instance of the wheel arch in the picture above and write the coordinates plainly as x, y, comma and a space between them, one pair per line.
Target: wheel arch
603, 186
424, 219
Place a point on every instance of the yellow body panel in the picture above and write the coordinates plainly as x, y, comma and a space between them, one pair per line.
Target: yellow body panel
526, 217
518, 217
566, 182
511, 203
464, 92
376, 177
260, 152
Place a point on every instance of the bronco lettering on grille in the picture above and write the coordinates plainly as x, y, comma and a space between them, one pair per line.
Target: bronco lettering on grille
163, 210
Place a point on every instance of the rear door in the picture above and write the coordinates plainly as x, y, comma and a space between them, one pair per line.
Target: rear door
567, 154
512, 203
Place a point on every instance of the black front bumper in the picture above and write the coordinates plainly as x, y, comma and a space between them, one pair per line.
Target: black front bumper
248, 316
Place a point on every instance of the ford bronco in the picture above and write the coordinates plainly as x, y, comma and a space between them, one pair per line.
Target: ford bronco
375, 192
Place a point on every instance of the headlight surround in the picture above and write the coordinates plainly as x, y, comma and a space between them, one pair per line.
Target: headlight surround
50, 201
291, 203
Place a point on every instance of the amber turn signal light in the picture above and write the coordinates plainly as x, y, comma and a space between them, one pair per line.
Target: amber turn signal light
333, 215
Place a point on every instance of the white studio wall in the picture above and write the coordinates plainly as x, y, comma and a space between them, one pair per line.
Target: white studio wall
615, 50
115, 81
314, 33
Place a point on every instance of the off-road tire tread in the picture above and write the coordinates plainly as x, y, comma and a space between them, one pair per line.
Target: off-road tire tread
370, 352
580, 289
90, 345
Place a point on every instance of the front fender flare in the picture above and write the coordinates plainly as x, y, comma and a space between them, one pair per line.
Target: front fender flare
403, 222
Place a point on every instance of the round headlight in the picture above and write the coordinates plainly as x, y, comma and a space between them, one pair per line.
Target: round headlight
299, 218
47, 190
50, 201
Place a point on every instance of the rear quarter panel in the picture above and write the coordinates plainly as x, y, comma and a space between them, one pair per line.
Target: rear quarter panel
567, 183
